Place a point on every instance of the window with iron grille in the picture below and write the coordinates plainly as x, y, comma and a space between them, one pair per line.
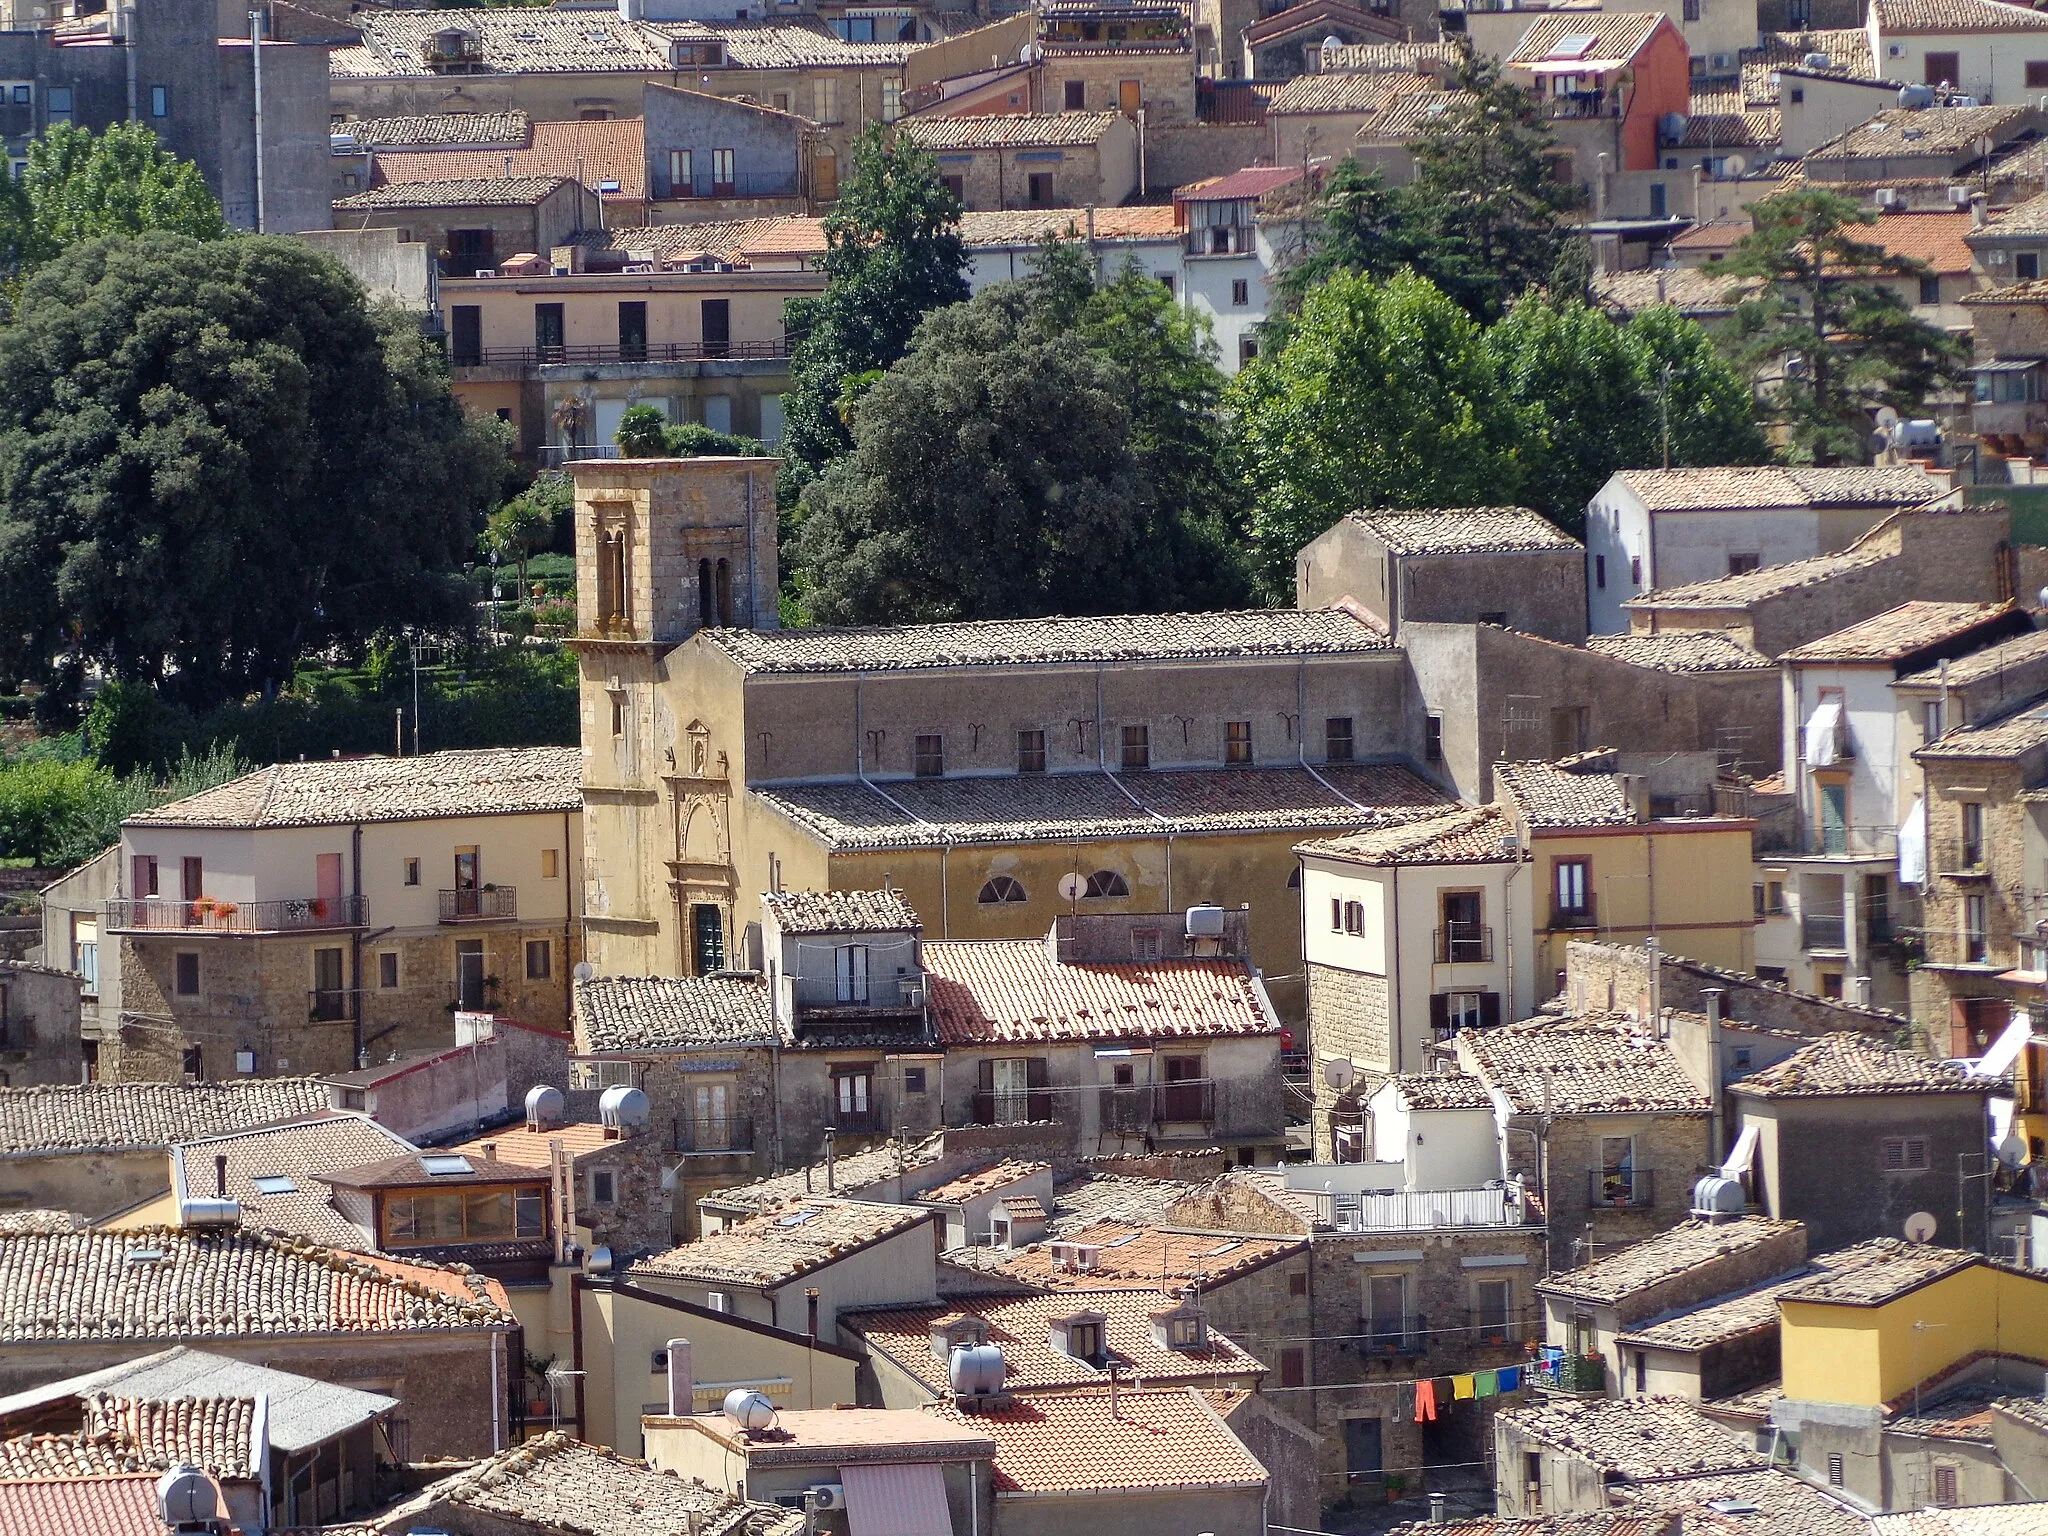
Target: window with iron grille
1905, 1154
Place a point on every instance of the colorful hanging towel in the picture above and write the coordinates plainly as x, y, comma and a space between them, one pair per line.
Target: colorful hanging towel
1425, 1402
1461, 1386
1509, 1378
1487, 1384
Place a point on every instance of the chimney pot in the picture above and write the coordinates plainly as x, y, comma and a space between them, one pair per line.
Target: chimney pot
681, 1384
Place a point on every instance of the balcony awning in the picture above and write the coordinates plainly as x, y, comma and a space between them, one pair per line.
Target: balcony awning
906, 1499
1573, 66
1823, 734
2005, 1050
1742, 1156
1913, 845
2007, 365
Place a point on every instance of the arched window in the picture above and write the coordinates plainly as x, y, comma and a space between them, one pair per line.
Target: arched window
1107, 882
704, 593
1294, 878
1000, 890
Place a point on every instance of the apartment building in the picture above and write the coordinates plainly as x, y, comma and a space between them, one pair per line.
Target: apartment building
306, 914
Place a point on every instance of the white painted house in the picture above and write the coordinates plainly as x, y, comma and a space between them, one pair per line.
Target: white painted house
1982, 48
1650, 528
1230, 254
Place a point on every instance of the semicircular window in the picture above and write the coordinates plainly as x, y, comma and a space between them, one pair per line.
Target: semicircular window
1000, 890
1106, 882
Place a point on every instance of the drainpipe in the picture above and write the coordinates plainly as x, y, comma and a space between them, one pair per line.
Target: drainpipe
1716, 1093
256, 102
570, 896
355, 1001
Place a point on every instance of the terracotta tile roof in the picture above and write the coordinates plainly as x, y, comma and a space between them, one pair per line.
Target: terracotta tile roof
1975, 1520
983, 228
672, 1013
1599, 1065
1021, 1325
1615, 34
83, 1506
557, 1483
1553, 795
1440, 1090
1605, 1522
1252, 182
1724, 120
1933, 238
1898, 132
1740, 1313
295, 1154
1690, 290
1016, 130
521, 42
42, 1221
1310, 14
732, 240
1767, 1502
1466, 836
1961, 1414
1087, 1199
971, 1186
1735, 592
1879, 1271
1465, 530
1754, 1403
1069, 1442
928, 813
104, 1116
2027, 218
1981, 664
85, 1285
784, 44
840, 911
1682, 650
1354, 58
1405, 116
1713, 235
613, 149
807, 1234
1900, 17
823, 1436
1635, 1438
2030, 1411
1847, 48
524, 1148
455, 192
1155, 1257
216, 1433
496, 130
2004, 736
1353, 92
1898, 632
1849, 1064
1016, 989
495, 781
1246, 633
1764, 487
851, 1176
1656, 1260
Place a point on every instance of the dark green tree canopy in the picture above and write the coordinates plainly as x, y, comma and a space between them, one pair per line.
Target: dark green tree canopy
893, 254
1045, 448
1825, 339
214, 458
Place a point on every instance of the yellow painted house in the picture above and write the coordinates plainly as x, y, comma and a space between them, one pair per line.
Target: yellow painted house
1867, 1334
1608, 866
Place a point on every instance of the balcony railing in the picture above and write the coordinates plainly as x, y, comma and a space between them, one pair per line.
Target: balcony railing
1407, 1334
1484, 1327
208, 915
1582, 1373
649, 352
1952, 856
858, 1122
1823, 932
1577, 916
1578, 104
1400, 1210
1136, 1108
1224, 240
483, 904
992, 1108
730, 1133
1463, 944
327, 1004
1620, 1188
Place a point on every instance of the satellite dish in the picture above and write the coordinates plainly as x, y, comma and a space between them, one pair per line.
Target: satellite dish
1887, 417
1920, 1227
1735, 165
584, 970
1071, 886
1332, 42
2012, 1152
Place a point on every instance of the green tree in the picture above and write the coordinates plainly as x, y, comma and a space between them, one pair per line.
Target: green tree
1354, 224
893, 254
642, 433
1824, 338
1038, 450
1701, 397
80, 186
216, 458
1385, 395
517, 531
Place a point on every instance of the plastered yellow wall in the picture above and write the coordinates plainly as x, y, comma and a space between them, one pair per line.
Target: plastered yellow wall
1871, 1355
1697, 880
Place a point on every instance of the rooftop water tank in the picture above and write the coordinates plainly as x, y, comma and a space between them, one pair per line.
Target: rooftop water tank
545, 1106
1715, 1195
208, 1211
624, 1109
976, 1370
184, 1496
749, 1409
1205, 922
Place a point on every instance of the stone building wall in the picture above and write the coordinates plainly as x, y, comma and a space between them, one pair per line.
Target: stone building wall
1673, 1148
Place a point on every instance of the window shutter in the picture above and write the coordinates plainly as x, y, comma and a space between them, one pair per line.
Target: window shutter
1037, 1080
1439, 1011
987, 1069
1894, 1156
1489, 1009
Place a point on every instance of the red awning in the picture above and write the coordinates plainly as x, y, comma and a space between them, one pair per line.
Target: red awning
903, 1499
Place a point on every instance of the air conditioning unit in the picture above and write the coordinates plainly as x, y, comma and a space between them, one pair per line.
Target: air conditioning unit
1721, 61
1995, 257
1959, 196
1886, 197
1895, 51
1076, 1258
827, 1495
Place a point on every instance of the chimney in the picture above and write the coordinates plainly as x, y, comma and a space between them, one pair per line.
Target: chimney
811, 1309
831, 1164
682, 1384
220, 1175
1712, 996
1439, 1509
490, 1151
1979, 217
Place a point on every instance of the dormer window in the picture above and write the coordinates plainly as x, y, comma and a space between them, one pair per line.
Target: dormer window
1080, 1337
951, 1333
1185, 1327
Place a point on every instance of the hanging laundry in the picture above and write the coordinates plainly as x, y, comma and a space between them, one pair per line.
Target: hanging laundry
1486, 1384
1510, 1378
1404, 1398
1425, 1402
1461, 1386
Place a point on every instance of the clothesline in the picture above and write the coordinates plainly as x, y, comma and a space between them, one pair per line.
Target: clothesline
1459, 1387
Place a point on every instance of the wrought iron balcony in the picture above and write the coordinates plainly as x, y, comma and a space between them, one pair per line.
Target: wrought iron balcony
1823, 931
993, 1108
329, 1004
1614, 1188
208, 914
1406, 1334
1463, 944
480, 904
1579, 915
598, 354
714, 1133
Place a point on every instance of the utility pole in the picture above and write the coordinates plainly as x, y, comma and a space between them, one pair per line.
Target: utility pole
1664, 411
